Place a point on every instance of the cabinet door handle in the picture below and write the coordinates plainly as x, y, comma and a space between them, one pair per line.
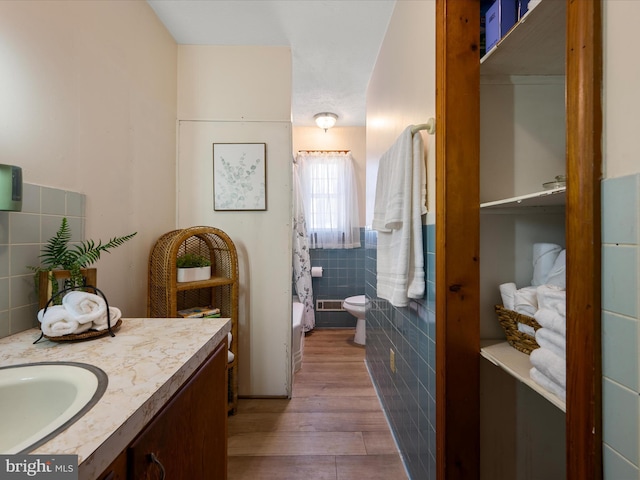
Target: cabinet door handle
155, 460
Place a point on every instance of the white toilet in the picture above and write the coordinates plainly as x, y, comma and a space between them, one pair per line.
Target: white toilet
357, 306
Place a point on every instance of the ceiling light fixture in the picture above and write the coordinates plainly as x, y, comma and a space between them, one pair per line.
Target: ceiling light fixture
325, 120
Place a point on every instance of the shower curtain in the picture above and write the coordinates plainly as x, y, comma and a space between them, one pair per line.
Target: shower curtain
301, 260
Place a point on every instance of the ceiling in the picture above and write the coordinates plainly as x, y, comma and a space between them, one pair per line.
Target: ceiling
334, 43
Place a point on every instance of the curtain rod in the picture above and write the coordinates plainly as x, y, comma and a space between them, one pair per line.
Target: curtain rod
324, 151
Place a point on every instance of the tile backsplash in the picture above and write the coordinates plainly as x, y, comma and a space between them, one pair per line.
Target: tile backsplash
22, 235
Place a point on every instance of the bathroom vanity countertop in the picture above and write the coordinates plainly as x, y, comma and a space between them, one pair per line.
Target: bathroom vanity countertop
147, 361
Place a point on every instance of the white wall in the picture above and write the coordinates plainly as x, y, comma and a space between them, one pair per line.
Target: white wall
237, 95
621, 98
338, 138
396, 99
88, 104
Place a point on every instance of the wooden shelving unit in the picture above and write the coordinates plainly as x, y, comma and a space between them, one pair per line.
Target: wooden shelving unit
517, 365
534, 46
166, 296
522, 114
546, 198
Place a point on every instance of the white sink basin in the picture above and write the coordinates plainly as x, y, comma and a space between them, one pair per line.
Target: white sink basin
39, 400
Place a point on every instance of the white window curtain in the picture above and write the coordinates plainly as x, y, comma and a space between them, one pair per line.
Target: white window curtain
329, 191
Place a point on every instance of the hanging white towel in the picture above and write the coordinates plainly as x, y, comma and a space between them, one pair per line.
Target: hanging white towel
399, 203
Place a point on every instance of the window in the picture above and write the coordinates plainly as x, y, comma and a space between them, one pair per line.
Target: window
329, 192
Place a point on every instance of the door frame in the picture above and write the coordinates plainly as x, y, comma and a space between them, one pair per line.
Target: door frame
458, 239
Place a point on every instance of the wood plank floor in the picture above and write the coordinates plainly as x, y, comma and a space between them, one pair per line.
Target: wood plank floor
333, 428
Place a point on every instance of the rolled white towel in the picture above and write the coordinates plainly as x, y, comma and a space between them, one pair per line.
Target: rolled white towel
550, 364
526, 301
55, 322
547, 338
557, 275
101, 323
548, 384
552, 320
552, 298
544, 256
84, 307
507, 290
230, 355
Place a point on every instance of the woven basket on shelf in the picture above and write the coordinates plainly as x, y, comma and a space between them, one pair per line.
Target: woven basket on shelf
509, 320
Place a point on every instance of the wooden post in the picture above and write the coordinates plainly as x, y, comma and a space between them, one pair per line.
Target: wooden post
457, 239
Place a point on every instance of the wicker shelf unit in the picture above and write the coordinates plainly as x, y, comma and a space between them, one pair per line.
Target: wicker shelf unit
166, 295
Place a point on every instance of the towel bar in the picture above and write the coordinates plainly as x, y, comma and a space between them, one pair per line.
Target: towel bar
430, 127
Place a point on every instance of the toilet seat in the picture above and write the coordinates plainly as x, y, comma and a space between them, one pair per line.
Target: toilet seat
356, 301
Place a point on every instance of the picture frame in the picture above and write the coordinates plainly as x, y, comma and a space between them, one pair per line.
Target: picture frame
239, 176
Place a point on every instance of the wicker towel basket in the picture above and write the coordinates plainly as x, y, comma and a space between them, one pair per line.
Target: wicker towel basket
519, 340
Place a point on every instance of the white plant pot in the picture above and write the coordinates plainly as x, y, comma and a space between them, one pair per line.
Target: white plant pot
194, 274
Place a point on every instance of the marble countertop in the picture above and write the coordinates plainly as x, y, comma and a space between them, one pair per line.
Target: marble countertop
147, 362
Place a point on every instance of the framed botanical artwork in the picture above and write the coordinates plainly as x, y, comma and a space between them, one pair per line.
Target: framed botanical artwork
239, 176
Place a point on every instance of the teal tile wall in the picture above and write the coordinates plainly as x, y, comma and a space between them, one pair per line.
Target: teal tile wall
408, 394
620, 353
342, 277
22, 235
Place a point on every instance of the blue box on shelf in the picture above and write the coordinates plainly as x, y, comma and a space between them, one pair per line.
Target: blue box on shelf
500, 17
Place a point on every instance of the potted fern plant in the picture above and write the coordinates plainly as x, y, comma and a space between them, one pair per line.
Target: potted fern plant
70, 261
192, 267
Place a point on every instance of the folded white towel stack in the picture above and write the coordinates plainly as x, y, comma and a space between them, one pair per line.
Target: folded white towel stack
79, 312
546, 303
548, 384
550, 359
550, 365
552, 298
551, 320
552, 341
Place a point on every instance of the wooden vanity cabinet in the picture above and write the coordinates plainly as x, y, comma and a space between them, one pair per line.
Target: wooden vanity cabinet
188, 437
